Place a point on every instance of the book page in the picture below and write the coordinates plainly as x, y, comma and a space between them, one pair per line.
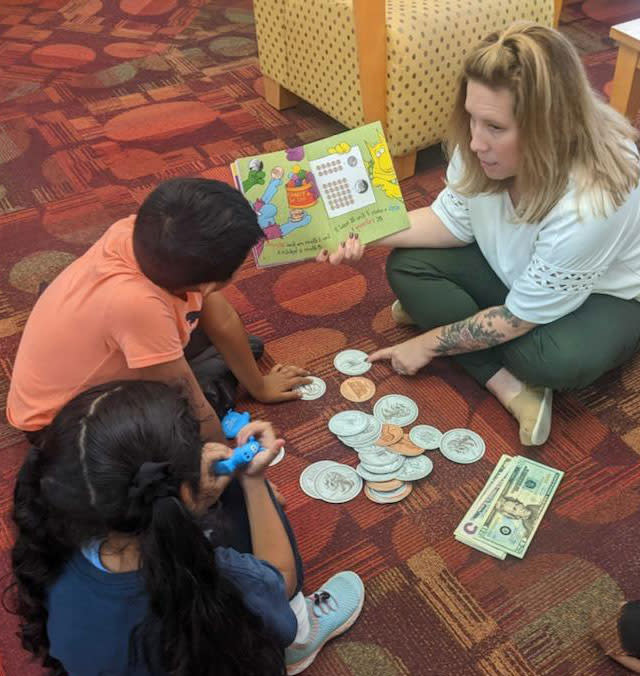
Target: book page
312, 197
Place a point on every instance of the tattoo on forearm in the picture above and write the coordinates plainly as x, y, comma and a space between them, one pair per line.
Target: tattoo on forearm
504, 314
476, 333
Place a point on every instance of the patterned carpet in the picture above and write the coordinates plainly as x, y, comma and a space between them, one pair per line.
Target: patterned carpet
101, 100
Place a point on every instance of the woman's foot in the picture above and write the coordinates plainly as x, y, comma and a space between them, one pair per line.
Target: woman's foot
399, 316
532, 409
530, 406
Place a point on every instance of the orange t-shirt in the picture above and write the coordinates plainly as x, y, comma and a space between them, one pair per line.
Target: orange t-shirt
101, 319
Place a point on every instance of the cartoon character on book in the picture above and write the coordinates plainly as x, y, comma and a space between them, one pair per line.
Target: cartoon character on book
381, 169
301, 194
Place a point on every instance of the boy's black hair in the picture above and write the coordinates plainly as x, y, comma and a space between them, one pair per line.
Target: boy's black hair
193, 231
629, 628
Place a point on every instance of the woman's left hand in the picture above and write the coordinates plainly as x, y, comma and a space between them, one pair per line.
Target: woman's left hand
406, 358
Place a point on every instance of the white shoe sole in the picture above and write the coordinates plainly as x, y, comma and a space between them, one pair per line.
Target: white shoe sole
298, 667
542, 427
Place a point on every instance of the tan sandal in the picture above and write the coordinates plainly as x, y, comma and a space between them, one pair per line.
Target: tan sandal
532, 409
399, 316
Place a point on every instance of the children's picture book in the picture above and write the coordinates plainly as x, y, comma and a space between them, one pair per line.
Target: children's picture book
312, 197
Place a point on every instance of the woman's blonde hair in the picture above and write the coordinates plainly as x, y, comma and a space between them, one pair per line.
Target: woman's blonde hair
566, 131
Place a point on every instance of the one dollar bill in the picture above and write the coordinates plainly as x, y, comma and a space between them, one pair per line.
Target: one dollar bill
516, 509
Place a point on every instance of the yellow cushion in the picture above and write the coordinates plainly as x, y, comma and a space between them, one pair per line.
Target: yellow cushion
427, 42
270, 18
309, 46
321, 57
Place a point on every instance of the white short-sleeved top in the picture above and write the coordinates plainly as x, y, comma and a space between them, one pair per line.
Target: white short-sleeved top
551, 267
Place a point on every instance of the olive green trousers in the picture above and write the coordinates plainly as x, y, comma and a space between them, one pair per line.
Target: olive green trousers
440, 286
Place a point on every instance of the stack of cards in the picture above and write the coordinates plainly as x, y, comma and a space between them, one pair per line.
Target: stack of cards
388, 460
505, 516
330, 481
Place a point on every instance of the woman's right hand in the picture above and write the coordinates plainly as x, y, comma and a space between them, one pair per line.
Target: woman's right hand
351, 250
264, 434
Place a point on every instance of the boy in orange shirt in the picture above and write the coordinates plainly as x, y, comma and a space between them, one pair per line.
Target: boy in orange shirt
127, 308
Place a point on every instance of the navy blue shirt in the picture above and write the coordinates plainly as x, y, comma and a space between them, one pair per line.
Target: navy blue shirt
92, 612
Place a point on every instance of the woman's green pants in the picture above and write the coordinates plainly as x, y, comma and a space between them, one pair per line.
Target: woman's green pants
441, 286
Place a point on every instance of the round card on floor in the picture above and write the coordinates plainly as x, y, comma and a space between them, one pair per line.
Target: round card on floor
338, 483
385, 486
348, 423
371, 448
309, 474
388, 497
381, 457
357, 389
352, 362
313, 390
369, 434
426, 437
278, 458
395, 409
391, 434
390, 468
415, 468
462, 445
373, 476
406, 447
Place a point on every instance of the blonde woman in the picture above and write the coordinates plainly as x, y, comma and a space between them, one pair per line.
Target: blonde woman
526, 268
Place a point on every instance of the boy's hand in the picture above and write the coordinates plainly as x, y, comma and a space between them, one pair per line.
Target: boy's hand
351, 250
279, 383
263, 432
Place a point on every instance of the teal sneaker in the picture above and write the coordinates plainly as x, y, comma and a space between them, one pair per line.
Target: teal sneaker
332, 610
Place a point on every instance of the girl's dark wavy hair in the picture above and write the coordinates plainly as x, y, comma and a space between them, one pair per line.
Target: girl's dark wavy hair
76, 487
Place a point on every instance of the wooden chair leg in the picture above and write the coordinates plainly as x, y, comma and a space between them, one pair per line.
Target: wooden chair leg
405, 165
625, 94
278, 96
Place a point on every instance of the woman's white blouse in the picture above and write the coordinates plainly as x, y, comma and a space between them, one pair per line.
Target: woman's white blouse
550, 268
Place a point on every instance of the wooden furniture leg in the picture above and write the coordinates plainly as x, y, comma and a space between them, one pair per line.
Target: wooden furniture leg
625, 95
278, 96
405, 165
370, 22
557, 11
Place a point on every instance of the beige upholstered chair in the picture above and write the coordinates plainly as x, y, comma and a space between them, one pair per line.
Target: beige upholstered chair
390, 60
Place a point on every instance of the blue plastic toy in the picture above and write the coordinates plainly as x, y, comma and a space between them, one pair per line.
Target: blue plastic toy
233, 422
242, 456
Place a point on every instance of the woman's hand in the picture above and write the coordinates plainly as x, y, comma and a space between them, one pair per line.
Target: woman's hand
351, 250
406, 358
263, 432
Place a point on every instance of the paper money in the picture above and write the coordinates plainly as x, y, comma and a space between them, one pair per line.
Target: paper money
481, 547
517, 508
468, 528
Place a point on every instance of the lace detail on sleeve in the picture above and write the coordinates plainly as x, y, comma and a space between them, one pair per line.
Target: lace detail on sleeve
548, 276
455, 200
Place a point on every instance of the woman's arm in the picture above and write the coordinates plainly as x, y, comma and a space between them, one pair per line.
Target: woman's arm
493, 326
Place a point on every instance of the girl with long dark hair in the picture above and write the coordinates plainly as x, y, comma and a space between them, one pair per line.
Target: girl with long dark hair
117, 572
